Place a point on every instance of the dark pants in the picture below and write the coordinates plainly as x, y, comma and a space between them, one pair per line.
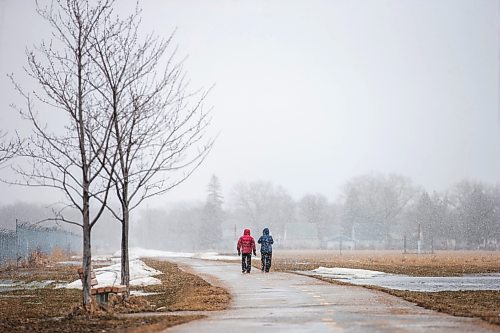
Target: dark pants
246, 262
266, 261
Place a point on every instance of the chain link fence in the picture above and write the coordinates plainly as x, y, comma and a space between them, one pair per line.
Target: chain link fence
20, 243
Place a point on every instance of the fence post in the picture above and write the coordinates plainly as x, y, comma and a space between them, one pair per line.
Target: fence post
17, 246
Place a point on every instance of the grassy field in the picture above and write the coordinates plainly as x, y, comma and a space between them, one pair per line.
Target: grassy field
481, 304
442, 263
58, 310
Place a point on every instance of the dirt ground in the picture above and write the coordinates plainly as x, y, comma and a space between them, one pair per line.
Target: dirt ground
58, 310
480, 304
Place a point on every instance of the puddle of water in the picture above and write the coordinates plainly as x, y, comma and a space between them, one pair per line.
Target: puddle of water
433, 284
411, 283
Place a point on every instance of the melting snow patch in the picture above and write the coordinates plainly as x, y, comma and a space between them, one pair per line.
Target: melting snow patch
214, 256
347, 273
137, 252
411, 283
9, 285
70, 263
140, 275
141, 293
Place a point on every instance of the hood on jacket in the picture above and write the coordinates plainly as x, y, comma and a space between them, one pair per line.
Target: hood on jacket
265, 231
246, 232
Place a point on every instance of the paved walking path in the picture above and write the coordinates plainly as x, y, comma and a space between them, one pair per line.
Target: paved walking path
283, 302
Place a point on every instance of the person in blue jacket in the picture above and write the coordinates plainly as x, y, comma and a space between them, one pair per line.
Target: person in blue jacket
266, 249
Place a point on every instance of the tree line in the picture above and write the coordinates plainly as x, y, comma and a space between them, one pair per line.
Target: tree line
371, 211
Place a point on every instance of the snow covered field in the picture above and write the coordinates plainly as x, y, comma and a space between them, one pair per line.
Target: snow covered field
411, 283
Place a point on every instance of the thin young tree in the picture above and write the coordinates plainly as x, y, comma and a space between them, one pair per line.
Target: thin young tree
159, 126
65, 154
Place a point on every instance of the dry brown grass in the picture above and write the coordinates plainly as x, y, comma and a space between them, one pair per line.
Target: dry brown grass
58, 310
190, 292
442, 263
49, 272
480, 304
59, 254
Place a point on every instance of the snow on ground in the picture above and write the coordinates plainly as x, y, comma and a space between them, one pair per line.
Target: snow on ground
137, 252
215, 256
71, 263
347, 273
9, 285
141, 293
140, 275
411, 283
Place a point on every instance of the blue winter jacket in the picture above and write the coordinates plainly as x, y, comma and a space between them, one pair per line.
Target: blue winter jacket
266, 242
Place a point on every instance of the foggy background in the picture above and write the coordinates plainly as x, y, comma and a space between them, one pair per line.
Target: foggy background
312, 100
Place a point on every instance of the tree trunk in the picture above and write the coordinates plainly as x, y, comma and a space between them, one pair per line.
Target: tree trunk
87, 258
125, 259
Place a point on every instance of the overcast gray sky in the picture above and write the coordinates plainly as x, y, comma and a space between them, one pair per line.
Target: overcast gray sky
311, 93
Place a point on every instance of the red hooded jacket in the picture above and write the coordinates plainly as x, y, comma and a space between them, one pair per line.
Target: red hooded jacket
246, 243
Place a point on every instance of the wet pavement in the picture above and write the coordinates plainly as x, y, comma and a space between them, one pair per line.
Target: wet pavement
284, 302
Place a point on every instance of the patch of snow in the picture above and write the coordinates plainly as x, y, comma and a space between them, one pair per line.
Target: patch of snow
140, 275
347, 273
39, 284
137, 252
60, 285
103, 258
215, 256
145, 281
9, 285
141, 293
411, 283
70, 263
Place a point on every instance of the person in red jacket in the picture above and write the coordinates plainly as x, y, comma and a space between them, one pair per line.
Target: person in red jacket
245, 247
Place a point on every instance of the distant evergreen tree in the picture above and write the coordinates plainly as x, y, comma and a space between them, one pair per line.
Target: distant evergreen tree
211, 225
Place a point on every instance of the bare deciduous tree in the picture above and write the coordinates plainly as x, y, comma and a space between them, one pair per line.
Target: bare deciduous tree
262, 204
157, 121
8, 149
67, 157
315, 209
374, 203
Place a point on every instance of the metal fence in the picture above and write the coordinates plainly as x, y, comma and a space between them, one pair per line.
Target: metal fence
18, 244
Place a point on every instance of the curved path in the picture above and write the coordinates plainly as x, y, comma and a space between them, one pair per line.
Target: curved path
283, 302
